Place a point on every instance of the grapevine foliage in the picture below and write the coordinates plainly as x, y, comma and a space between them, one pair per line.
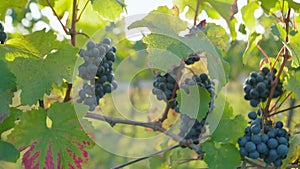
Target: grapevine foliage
63, 137
44, 106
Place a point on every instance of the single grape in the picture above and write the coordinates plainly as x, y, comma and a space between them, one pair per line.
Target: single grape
272, 143
90, 45
254, 155
3, 37
262, 148
256, 139
282, 150
250, 146
252, 115
279, 124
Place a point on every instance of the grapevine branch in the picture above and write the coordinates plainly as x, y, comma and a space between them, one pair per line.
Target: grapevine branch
156, 126
176, 87
287, 109
196, 12
56, 15
285, 58
83, 9
73, 23
146, 157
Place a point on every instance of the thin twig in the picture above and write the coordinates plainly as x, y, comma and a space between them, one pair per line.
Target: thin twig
265, 54
285, 58
196, 12
84, 34
278, 55
176, 87
55, 14
275, 107
68, 92
290, 93
156, 126
146, 157
81, 12
73, 23
287, 109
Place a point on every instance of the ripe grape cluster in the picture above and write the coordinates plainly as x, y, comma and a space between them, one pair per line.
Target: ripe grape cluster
192, 128
264, 140
165, 87
258, 86
3, 35
97, 71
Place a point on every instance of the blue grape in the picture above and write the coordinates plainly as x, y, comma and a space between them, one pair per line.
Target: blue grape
256, 139
272, 143
279, 124
262, 148
252, 115
242, 141
264, 138
282, 150
277, 163
255, 130
250, 147
282, 140
254, 155
243, 151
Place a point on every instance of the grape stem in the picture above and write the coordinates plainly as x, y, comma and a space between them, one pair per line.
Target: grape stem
156, 126
146, 157
285, 58
68, 92
176, 87
58, 18
81, 12
196, 12
287, 109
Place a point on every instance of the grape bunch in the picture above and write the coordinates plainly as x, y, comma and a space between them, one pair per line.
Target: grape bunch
258, 86
97, 71
165, 87
192, 128
3, 35
264, 140
192, 59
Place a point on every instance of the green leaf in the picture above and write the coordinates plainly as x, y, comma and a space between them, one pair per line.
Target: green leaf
5, 5
224, 132
220, 156
224, 7
248, 15
55, 141
253, 40
199, 98
293, 84
45, 3
8, 152
39, 73
267, 4
242, 29
181, 4
159, 162
197, 44
218, 36
294, 150
7, 87
162, 20
10, 121
294, 5
294, 47
161, 59
109, 9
